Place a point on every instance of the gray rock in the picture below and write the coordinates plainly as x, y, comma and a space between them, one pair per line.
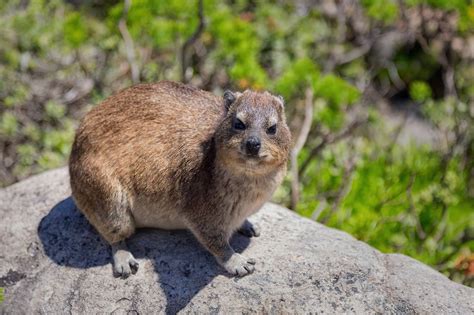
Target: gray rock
52, 261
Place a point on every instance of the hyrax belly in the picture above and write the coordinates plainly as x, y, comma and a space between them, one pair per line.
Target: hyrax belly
161, 215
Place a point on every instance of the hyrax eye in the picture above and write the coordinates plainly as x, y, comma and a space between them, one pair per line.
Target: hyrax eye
239, 125
272, 130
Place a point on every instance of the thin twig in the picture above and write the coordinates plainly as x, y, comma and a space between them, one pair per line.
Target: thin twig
329, 139
191, 40
342, 192
353, 54
441, 228
128, 41
299, 144
319, 209
449, 81
411, 209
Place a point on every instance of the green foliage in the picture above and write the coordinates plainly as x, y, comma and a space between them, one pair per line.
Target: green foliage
382, 10
395, 199
238, 46
406, 193
336, 94
75, 30
8, 124
160, 22
336, 91
388, 11
299, 75
17, 96
54, 110
420, 91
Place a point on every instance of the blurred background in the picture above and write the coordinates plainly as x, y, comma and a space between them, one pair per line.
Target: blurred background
379, 96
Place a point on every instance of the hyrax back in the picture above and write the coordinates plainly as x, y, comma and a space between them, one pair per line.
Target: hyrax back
171, 156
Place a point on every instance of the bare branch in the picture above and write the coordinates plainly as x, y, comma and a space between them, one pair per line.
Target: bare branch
299, 144
308, 119
353, 54
128, 41
448, 156
191, 40
319, 209
329, 139
449, 81
343, 190
409, 192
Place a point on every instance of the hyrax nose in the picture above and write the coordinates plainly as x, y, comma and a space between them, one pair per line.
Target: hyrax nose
253, 145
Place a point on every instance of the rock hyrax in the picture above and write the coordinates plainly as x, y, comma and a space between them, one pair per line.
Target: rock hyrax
171, 156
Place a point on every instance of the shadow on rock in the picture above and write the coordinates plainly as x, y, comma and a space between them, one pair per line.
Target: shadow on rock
182, 265
69, 240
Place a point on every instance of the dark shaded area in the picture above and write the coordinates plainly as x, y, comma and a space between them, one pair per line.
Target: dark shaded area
11, 278
183, 266
98, 8
69, 240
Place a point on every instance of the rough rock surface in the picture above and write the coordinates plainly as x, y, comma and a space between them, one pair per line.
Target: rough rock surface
52, 261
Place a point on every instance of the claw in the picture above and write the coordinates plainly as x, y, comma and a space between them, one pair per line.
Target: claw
249, 229
134, 266
239, 265
124, 262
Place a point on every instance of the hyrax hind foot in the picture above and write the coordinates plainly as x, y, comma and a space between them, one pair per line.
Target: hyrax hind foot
239, 265
124, 262
249, 229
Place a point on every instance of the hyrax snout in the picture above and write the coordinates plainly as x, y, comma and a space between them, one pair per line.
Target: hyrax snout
171, 156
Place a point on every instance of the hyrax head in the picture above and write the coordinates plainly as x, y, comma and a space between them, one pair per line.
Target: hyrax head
253, 138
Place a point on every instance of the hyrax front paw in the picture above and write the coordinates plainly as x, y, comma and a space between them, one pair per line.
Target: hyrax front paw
239, 265
124, 264
249, 229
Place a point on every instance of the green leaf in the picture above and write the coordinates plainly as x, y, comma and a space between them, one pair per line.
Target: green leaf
55, 110
75, 29
8, 124
420, 91
336, 91
299, 74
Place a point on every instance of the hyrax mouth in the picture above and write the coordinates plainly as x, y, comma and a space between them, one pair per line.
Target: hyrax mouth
251, 159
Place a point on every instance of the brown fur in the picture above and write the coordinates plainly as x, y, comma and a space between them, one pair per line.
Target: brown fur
166, 155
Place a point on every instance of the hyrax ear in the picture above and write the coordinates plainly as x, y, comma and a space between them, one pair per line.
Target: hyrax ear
229, 98
280, 101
